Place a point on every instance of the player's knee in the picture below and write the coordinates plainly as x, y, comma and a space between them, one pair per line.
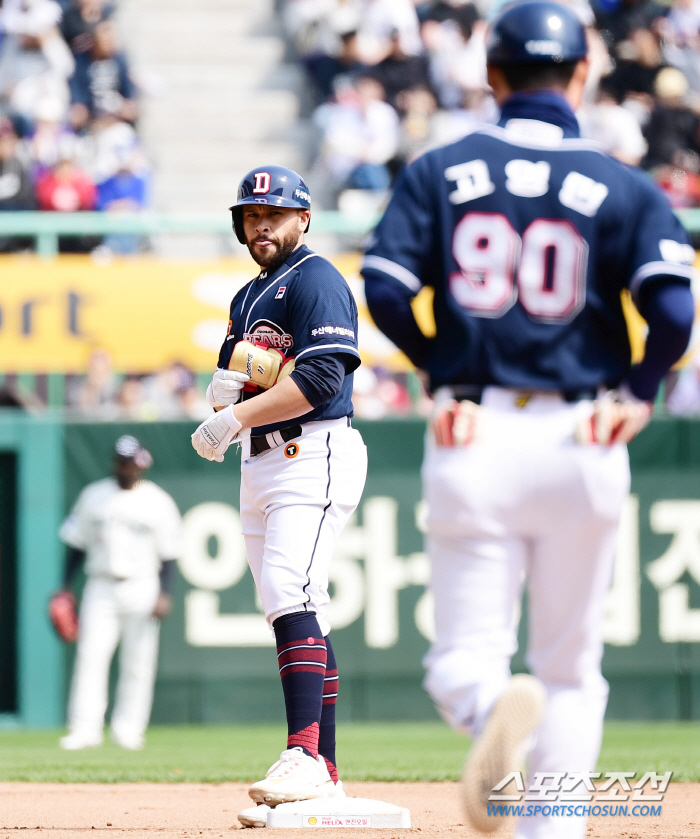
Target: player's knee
464, 685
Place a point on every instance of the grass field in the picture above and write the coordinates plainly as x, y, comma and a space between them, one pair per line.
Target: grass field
367, 752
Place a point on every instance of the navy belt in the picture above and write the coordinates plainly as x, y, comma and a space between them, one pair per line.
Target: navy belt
260, 443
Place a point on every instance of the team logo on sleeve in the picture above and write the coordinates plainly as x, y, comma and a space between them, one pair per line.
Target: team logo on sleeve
269, 334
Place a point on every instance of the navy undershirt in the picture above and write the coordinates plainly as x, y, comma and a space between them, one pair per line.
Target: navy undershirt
320, 378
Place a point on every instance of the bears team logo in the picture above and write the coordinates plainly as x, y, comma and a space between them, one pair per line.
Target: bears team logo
291, 450
269, 334
262, 183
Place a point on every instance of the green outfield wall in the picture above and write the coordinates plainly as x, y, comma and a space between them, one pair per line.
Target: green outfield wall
217, 661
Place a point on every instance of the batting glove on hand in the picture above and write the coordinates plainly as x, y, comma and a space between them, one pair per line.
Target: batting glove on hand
455, 423
226, 388
617, 417
216, 434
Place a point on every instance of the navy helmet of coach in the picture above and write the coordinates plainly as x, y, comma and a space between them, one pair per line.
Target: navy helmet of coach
272, 185
536, 32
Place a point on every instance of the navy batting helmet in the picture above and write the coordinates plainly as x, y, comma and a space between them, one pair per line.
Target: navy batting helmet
536, 31
272, 185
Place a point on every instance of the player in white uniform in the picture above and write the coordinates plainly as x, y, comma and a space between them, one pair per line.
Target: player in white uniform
127, 531
528, 237
303, 465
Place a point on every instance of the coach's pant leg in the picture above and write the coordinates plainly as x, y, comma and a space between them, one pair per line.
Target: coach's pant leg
138, 661
97, 641
476, 586
565, 630
476, 580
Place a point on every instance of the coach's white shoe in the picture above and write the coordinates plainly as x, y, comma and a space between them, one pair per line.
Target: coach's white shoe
134, 744
254, 816
74, 742
295, 777
500, 748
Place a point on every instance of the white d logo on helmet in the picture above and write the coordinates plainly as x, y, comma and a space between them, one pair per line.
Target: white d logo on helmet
262, 183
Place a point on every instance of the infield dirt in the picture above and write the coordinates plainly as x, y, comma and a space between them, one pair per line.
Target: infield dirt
176, 811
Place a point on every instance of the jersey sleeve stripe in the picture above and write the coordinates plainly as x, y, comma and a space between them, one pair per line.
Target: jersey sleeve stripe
658, 269
393, 269
345, 347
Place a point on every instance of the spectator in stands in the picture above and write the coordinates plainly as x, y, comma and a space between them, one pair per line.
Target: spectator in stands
109, 141
617, 20
67, 188
34, 59
613, 126
79, 21
101, 82
456, 46
680, 180
124, 192
49, 135
360, 135
171, 393
416, 107
639, 61
382, 21
325, 68
400, 71
95, 394
16, 187
131, 403
673, 127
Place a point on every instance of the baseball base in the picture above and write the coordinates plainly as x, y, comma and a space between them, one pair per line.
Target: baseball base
338, 813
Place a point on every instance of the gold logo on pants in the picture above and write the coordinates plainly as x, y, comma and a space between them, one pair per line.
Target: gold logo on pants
291, 450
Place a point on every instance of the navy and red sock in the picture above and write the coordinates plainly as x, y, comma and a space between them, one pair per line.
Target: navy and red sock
326, 738
301, 657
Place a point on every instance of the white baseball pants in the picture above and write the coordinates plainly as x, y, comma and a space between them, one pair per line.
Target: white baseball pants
115, 613
292, 511
525, 507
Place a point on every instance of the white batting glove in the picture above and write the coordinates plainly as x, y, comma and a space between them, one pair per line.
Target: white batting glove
226, 388
616, 417
455, 423
216, 434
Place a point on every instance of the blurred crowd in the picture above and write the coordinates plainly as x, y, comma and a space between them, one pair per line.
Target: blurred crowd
68, 117
388, 79
392, 78
176, 392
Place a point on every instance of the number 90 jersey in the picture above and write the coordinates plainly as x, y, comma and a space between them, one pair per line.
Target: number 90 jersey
528, 242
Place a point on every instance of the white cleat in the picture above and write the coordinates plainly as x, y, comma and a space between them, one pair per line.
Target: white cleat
134, 744
254, 816
75, 742
501, 746
295, 777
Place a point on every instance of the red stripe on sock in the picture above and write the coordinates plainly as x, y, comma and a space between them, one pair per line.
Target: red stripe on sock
303, 655
332, 770
307, 738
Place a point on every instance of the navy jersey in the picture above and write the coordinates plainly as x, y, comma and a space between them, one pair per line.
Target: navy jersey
304, 309
528, 238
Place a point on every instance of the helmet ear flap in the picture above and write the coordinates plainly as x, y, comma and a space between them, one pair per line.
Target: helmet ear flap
237, 223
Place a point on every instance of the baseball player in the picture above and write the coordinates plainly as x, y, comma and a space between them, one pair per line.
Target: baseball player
283, 390
127, 532
528, 236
